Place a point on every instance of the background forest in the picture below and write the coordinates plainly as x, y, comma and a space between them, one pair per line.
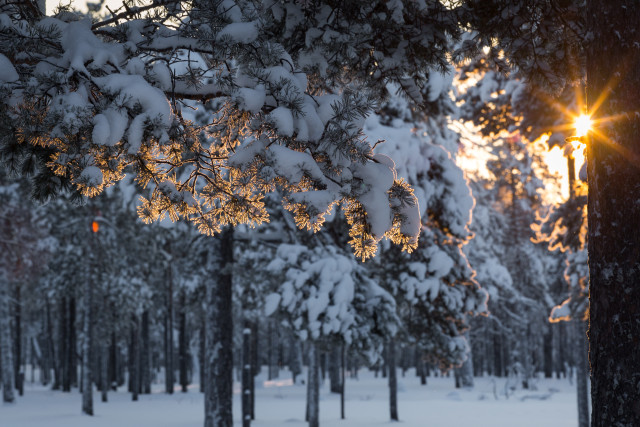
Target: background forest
102, 286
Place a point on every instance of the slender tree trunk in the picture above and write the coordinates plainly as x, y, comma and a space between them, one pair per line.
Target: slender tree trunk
104, 371
87, 389
613, 159
582, 373
255, 368
270, 351
548, 352
313, 389
183, 342
5, 344
63, 338
51, 348
201, 355
134, 363
334, 369
295, 358
145, 356
393, 379
219, 339
17, 360
342, 369
113, 362
247, 375
168, 334
72, 349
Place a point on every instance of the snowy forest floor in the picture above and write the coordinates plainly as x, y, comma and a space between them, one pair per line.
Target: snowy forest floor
279, 402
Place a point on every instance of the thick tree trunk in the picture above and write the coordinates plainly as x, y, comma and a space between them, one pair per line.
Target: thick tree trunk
219, 337
247, 375
393, 379
613, 156
87, 389
313, 388
5, 345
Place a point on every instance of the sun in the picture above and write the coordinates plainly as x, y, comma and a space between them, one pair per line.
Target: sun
583, 125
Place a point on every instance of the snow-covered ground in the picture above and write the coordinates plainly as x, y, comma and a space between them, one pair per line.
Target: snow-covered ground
280, 403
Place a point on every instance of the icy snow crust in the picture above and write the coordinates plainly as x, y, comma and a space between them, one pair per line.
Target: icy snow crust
279, 402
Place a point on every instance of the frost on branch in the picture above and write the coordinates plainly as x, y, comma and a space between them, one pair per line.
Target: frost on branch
211, 105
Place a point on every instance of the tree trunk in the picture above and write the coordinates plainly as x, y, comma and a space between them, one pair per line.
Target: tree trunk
313, 388
17, 359
342, 374
613, 75
134, 359
219, 338
582, 373
255, 368
72, 349
5, 344
87, 389
393, 380
183, 342
548, 352
168, 334
247, 375
104, 370
63, 339
145, 356
201, 355
334, 369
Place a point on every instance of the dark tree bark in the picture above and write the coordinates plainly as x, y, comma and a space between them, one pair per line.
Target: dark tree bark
201, 353
50, 350
334, 369
183, 353
255, 366
247, 375
72, 349
313, 387
613, 159
145, 356
104, 371
134, 359
582, 373
113, 361
6, 355
393, 380
219, 337
87, 378
168, 334
548, 352
343, 367
17, 342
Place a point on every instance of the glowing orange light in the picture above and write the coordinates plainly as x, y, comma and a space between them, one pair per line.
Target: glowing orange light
583, 125
95, 226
